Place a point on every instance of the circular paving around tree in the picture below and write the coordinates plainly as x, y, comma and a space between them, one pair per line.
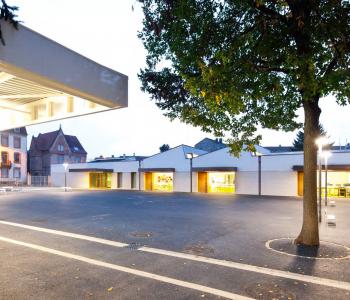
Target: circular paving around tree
326, 250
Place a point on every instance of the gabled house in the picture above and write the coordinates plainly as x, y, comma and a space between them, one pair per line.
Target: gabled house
54, 148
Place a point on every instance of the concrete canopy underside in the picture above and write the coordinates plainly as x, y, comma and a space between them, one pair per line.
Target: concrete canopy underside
41, 81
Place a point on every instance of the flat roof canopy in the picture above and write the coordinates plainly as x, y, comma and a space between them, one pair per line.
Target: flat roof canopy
154, 170
215, 169
300, 168
41, 81
96, 170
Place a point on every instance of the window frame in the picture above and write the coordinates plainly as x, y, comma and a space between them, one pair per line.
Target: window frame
2, 173
5, 136
19, 158
18, 139
19, 172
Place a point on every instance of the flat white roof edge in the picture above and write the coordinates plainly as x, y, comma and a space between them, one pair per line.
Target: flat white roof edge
32, 56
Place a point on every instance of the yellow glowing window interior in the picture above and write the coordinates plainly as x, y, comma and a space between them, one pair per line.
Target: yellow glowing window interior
162, 182
338, 184
221, 182
100, 180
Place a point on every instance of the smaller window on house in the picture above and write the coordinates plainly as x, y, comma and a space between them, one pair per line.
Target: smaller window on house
4, 140
4, 157
17, 173
60, 148
4, 173
17, 158
17, 142
60, 159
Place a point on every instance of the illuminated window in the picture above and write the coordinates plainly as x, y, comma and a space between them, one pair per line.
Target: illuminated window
221, 182
100, 180
338, 183
162, 182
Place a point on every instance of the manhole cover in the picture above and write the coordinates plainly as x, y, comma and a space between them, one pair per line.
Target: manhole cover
268, 291
199, 249
141, 234
326, 250
39, 220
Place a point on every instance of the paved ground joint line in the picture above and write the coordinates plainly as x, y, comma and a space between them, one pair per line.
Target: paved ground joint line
173, 281
224, 263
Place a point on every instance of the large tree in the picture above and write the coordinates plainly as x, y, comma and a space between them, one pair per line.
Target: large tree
7, 13
232, 67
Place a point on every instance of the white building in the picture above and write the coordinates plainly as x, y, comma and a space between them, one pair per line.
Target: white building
279, 174
13, 148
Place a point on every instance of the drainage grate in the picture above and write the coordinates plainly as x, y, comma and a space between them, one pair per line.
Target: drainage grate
133, 246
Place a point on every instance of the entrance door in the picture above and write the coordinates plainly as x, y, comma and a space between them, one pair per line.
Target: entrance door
202, 182
100, 180
148, 181
300, 184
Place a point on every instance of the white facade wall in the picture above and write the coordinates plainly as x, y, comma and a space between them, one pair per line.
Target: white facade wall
247, 182
81, 179
277, 175
182, 181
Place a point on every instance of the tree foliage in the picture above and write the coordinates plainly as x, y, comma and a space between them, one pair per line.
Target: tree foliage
164, 147
8, 14
232, 67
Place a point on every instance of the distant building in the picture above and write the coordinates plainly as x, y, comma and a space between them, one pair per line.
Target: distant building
279, 149
13, 149
54, 148
118, 158
210, 145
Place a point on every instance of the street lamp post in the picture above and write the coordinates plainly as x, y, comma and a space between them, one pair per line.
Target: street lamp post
320, 142
326, 155
190, 156
65, 165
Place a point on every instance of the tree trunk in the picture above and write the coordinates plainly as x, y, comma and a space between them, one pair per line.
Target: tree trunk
309, 234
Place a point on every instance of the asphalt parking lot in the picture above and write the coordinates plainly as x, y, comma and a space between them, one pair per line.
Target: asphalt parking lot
136, 245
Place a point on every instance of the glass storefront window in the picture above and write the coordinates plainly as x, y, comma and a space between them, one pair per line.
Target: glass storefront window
162, 182
221, 182
100, 180
338, 183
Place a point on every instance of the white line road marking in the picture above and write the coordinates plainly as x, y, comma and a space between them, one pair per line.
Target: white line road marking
245, 267
185, 284
229, 264
67, 234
